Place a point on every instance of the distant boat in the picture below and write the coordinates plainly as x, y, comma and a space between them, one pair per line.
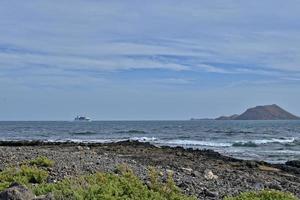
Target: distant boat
82, 119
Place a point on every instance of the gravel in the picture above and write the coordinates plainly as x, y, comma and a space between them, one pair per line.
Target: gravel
203, 173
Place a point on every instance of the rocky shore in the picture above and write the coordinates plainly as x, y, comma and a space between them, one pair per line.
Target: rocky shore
203, 173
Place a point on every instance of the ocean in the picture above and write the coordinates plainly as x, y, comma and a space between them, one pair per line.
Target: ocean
271, 141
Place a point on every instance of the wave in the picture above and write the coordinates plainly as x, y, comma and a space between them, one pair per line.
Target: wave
287, 152
83, 133
246, 144
196, 143
251, 143
230, 132
255, 143
274, 140
296, 142
133, 131
144, 139
182, 142
87, 140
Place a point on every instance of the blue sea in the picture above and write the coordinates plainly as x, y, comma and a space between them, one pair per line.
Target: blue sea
271, 141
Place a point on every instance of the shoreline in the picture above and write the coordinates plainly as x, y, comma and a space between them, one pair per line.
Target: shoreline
229, 175
119, 141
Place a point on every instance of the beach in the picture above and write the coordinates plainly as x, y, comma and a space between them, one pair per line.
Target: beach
205, 174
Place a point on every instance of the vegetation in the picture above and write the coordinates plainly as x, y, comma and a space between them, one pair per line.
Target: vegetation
42, 161
107, 186
122, 185
24, 175
264, 195
111, 187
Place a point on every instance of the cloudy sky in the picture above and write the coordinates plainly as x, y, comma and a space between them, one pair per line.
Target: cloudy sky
159, 59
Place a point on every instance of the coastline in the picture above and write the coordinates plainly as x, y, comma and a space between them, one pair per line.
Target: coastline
228, 176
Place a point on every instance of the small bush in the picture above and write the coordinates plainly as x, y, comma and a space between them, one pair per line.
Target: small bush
42, 161
24, 175
264, 195
168, 190
104, 186
107, 186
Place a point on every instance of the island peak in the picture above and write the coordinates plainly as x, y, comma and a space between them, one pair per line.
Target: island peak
262, 112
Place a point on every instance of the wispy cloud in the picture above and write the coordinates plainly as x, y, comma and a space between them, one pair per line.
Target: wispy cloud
56, 38
118, 57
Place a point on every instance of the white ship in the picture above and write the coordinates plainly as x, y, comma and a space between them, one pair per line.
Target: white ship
82, 119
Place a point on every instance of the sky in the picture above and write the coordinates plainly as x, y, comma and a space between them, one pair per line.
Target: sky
147, 60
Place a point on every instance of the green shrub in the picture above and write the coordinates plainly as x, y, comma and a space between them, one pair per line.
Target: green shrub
106, 186
42, 161
264, 195
24, 175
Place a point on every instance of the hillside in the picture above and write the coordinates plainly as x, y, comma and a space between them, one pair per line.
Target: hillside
267, 112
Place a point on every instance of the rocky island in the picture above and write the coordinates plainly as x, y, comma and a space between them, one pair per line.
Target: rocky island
266, 112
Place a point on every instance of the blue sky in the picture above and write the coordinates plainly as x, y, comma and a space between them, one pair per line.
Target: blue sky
147, 59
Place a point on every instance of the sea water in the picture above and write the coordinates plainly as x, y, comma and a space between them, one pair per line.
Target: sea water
271, 141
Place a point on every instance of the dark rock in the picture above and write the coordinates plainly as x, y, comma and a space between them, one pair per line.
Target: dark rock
259, 186
45, 197
16, 192
251, 164
209, 193
275, 186
179, 153
293, 163
288, 168
196, 174
187, 170
183, 185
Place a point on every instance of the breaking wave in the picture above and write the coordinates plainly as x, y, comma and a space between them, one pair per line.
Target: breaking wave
191, 143
244, 144
274, 140
144, 139
255, 143
196, 143
133, 131
296, 142
83, 133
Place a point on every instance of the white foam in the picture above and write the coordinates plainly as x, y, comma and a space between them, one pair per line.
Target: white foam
266, 141
144, 139
87, 140
284, 152
196, 143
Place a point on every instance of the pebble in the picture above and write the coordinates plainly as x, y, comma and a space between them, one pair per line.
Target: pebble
79, 148
234, 177
16, 191
169, 171
196, 174
210, 193
275, 186
209, 175
187, 170
259, 186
